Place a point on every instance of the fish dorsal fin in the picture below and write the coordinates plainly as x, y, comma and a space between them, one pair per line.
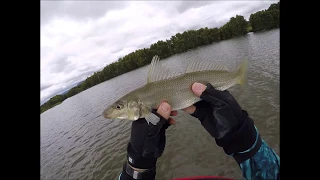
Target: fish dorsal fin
205, 66
157, 72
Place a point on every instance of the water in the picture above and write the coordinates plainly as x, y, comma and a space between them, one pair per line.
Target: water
77, 143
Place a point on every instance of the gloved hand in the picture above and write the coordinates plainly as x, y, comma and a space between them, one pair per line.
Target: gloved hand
148, 141
221, 115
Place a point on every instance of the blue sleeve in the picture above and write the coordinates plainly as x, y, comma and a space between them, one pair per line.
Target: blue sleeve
265, 164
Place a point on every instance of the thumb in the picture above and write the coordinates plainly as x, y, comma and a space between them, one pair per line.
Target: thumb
198, 88
164, 110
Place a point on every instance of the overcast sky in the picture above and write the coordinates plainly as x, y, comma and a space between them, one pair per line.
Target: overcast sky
81, 37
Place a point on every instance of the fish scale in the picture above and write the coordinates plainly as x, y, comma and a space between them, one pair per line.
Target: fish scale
181, 96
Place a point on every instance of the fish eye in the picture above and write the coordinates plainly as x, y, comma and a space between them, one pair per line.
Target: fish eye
119, 106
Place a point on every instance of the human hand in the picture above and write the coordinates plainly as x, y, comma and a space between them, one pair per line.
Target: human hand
148, 141
221, 115
219, 112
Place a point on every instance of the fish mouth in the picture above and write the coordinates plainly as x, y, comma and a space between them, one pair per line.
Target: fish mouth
105, 115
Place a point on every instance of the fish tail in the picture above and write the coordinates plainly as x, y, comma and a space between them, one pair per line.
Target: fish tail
243, 72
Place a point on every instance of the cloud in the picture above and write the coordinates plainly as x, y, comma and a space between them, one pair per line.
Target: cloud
81, 37
78, 10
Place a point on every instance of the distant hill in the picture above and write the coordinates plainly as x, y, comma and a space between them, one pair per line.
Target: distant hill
80, 82
66, 91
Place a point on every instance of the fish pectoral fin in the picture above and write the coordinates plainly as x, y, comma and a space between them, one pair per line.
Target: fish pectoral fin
198, 66
243, 72
152, 118
157, 72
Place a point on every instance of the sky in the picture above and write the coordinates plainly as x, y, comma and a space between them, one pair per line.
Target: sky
79, 38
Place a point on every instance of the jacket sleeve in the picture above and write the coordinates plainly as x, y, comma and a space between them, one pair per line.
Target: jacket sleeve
124, 176
264, 164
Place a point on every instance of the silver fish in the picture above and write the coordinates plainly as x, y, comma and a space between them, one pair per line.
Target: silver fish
163, 85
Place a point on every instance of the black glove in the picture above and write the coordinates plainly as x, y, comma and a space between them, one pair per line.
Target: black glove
221, 115
147, 142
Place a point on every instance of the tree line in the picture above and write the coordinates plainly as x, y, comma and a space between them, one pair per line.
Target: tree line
179, 43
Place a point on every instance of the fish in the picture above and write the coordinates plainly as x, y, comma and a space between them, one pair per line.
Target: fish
165, 85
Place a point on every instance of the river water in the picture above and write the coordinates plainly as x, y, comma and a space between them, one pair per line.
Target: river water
78, 143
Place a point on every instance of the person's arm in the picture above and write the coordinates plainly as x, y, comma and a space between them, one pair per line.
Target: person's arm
254, 157
137, 166
264, 164
125, 176
234, 131
147, 143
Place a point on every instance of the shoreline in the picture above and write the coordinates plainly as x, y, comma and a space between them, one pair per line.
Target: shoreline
181, 42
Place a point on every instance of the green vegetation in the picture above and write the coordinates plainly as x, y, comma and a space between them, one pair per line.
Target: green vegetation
179, 43
266, 19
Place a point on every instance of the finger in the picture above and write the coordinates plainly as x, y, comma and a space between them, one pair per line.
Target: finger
174, 113
171, 121
198, 88
190, 109
164, 110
